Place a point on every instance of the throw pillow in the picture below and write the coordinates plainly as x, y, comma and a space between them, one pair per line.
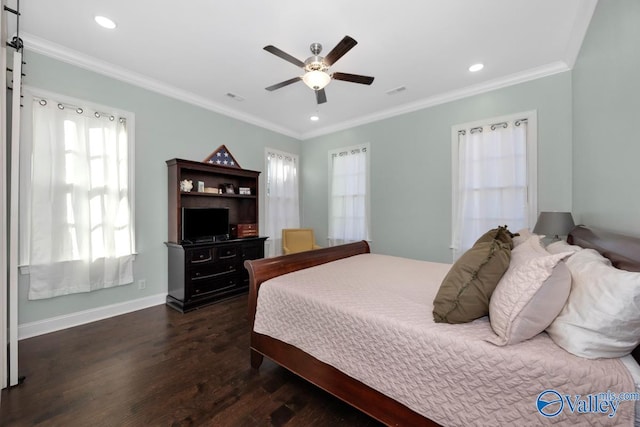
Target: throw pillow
466, 290
530, 294
601, 317
501, 233
527, 249
522, 236
562, 246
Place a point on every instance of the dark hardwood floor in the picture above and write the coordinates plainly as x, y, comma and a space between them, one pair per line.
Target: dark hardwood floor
157, 367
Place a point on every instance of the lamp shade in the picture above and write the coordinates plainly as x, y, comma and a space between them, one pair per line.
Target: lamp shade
554, 224
316, 80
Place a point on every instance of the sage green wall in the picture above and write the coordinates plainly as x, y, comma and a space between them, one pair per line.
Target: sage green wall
411, 165
606, 108
596, 106
165, 128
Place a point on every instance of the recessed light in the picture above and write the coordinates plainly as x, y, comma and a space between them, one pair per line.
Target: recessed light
476, 67
314, 118
105, 22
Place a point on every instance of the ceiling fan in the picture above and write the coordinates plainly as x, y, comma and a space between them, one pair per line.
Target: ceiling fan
316, 68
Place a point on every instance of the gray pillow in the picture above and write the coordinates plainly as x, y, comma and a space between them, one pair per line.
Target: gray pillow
466, 290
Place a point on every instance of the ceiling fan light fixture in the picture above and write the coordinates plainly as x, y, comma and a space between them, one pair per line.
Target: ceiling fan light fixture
316, 80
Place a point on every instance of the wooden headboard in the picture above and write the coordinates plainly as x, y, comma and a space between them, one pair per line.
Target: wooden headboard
623, 251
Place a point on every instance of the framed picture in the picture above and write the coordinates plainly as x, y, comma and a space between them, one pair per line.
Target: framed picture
229, 189
244, 191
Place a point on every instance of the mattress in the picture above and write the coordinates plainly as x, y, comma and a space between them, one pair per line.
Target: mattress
370, 317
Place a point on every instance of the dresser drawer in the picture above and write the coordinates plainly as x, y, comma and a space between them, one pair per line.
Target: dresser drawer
200, 256
201, 288
211, 271
227, 252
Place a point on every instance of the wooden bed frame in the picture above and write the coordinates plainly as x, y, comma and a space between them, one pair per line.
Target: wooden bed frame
624, 251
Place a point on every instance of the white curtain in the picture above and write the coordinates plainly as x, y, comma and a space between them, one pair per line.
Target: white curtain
492, 182
282, 209
348, 198
80, 235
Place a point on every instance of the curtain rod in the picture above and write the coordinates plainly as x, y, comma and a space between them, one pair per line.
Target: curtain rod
493, 126
80, 110
352, 151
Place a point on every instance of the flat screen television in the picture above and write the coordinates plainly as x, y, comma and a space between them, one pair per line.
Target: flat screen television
205, 224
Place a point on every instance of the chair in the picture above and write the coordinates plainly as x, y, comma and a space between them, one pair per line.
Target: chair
298, 240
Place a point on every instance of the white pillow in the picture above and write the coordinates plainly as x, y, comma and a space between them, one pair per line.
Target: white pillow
602, 315
522, 236
530, 295
529, 247
562, 246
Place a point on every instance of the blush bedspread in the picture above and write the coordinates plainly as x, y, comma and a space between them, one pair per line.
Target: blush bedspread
370, 317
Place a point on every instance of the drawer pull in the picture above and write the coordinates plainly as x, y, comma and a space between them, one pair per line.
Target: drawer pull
224, 288
197, 261
233, 255
209, 276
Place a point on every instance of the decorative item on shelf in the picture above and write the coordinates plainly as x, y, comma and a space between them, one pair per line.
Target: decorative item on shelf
227, 189
240, 231
554, 224
186, 185
244, 191
211, 190
201, 186
222, 157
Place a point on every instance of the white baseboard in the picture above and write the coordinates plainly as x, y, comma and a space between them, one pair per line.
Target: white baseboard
33, 329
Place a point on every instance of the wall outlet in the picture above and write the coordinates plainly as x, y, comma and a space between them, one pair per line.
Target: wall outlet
142, 284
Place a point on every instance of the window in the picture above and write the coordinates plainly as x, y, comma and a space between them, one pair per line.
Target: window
282, 209
349, 195
79, 230
494, 177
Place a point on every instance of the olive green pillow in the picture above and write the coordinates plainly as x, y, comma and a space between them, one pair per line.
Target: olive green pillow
501, 233
466, 290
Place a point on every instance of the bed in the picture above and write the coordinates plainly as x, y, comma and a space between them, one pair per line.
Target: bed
373, 383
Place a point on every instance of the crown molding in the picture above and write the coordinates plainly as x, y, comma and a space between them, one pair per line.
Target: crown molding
579, 30
513, 79
64, 54
39, 45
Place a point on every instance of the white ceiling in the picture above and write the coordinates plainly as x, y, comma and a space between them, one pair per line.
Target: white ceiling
200, 50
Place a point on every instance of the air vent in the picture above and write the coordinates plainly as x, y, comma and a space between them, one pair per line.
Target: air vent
235, 96
396, 90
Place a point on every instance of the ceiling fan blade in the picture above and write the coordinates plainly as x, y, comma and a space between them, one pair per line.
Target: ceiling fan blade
353, 78
284, 83
345, 45
284, 55
321, 96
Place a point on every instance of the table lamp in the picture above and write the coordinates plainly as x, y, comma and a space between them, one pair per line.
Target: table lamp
554, 224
